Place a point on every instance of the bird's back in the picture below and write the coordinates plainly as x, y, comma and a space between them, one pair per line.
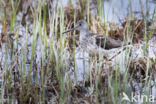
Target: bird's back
100, 41
107, 42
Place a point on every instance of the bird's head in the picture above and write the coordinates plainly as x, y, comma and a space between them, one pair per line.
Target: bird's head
81, 25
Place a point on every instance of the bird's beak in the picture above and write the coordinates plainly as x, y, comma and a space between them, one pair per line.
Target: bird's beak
70, 30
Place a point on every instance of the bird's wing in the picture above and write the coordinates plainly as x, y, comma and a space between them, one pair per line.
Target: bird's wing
107, 42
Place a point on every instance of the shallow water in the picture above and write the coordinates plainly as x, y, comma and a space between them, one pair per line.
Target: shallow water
119, 9
116, 10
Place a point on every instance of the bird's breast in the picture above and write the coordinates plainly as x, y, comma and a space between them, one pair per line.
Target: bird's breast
87, 43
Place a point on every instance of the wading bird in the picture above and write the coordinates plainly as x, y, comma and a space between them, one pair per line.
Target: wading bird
94, 43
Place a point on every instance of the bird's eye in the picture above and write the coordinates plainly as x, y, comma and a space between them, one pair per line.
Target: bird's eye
80, 24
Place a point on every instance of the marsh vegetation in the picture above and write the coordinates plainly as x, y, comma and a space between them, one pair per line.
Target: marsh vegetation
40, 65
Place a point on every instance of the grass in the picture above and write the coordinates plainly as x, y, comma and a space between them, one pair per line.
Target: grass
48, 77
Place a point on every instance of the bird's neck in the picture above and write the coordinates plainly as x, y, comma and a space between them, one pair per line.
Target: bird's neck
84, 35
